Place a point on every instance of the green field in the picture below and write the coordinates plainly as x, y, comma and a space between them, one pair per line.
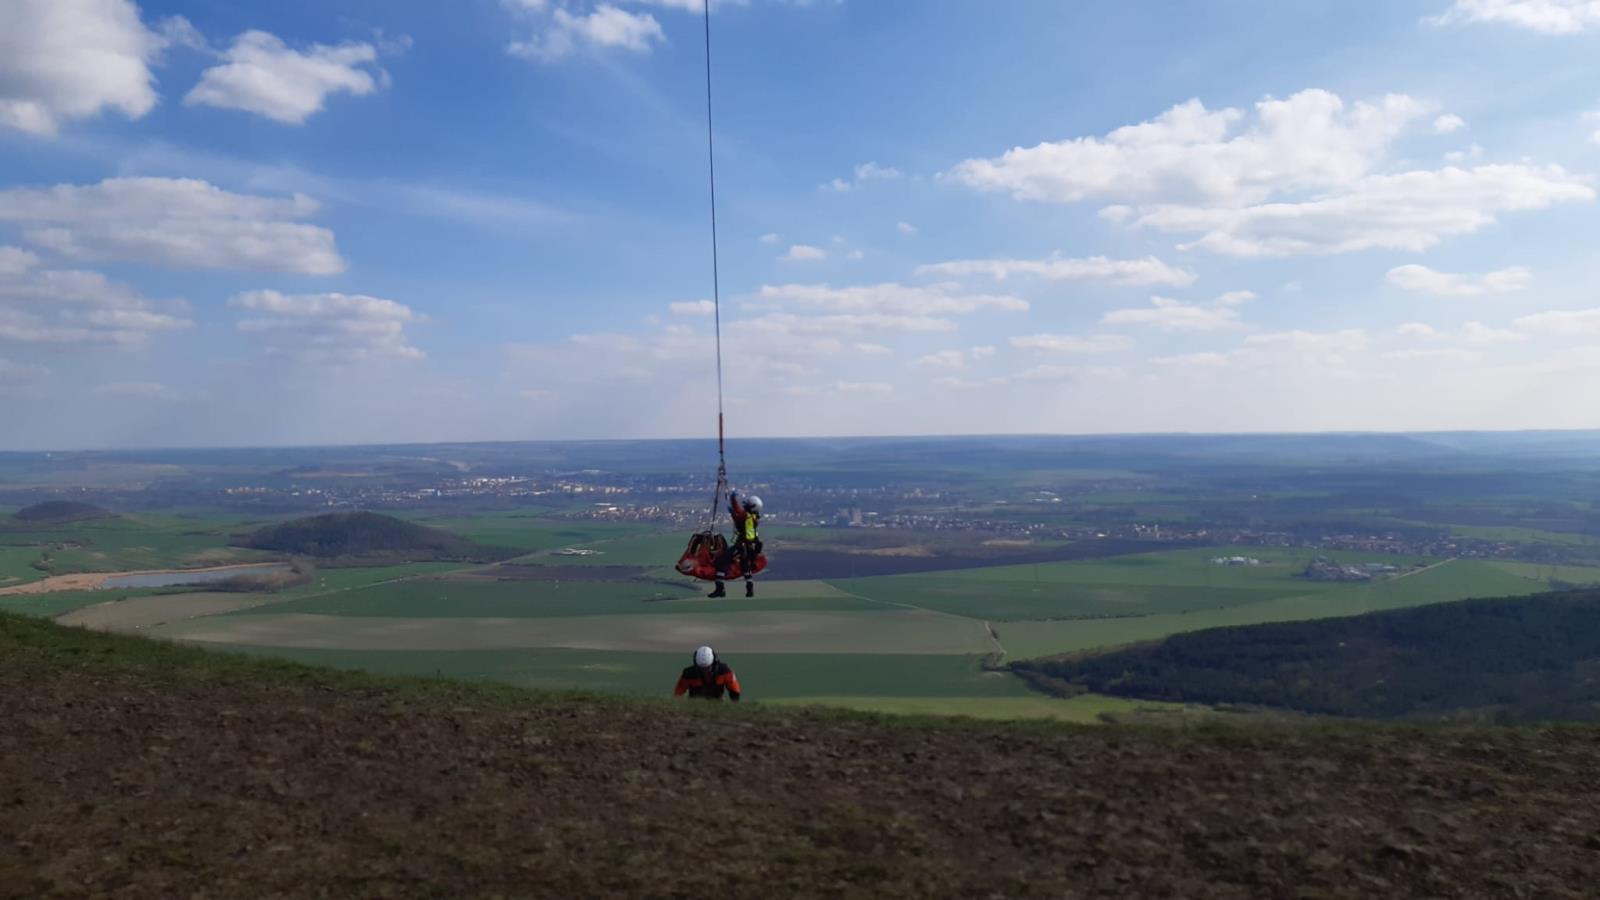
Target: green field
62, 602
1453, 580
1176, 582
902, 643
764, 675
1086, 709
522, 531
123, 544
541, 599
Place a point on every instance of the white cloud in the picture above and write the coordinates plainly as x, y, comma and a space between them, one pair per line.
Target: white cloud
954, 359
1448, 124
804, 253
63, 60
1235, 298
1327, 348
906, 228
873, 350
1146, 271
42, 306
263, 75
138, 390
966, 384
182, 223
1445, 284
1167, 314
15, 261
1473, 151
891, 298
1069, 343
1411, 211
1565, 323
693, 308
1305, 142
1435, 354
815, 319
14, 375
943, 359
1070, 373
863, 387
770, 238
1544, 16
787, 327
867, 171
1194, 361
604, 27
329, 327
856, 255
1302, 178
1479, 333
1475, 333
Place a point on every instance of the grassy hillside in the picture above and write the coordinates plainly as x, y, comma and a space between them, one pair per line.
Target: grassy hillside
142, 769
1521, 659
364, 535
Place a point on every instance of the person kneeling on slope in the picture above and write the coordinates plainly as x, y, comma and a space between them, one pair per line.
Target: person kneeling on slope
746, 546
707, 678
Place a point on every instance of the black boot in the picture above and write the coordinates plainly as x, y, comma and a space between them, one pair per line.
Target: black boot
721, 591
749, 588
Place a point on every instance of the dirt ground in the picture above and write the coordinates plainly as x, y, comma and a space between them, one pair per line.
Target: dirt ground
139, 783
91, 581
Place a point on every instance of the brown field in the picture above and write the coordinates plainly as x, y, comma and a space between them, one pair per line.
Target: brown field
93, 581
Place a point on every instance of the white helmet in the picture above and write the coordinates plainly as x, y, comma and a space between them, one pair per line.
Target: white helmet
704, 657
752, 503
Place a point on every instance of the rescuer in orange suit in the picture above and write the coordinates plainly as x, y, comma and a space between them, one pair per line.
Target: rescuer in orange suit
708, 678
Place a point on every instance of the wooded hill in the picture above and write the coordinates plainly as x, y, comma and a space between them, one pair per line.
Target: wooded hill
366, 536
1515, 660
57, 512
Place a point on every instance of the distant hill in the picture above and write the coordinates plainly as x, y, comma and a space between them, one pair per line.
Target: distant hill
365, 535
55, 512
1517, 659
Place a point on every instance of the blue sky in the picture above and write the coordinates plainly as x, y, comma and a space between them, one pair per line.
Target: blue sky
335, 221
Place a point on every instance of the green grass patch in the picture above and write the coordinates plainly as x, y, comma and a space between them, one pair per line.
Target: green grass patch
132, 543
656, 550
520, 531
1519, 535
1084, 710
1547, 574
1136, 585
51, 605
433, 598
1454, 580
325, 581
764, 676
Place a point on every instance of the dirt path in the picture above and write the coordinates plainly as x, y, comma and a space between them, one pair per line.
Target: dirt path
138, 785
